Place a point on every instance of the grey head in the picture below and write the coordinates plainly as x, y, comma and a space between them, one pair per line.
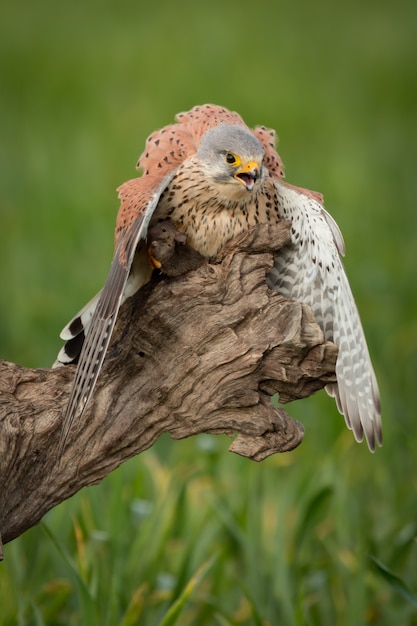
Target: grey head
232, 157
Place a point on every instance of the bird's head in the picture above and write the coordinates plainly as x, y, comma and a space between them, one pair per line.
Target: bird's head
232, 157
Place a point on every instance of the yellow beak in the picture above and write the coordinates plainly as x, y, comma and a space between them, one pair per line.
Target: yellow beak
248, 174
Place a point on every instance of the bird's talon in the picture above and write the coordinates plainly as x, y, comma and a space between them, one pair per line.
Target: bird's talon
154, 263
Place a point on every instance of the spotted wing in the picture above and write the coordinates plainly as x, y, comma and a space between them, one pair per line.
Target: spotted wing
311, 271
89, 333
203, 117
272, 160
110, 298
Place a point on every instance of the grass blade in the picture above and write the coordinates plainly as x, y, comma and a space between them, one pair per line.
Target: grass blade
394, 581
175, 609
87, 600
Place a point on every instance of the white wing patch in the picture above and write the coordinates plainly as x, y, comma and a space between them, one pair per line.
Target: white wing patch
311, 271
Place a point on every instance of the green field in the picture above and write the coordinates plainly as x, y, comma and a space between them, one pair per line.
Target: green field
188, 533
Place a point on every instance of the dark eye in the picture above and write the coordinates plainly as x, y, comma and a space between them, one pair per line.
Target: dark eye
230, 158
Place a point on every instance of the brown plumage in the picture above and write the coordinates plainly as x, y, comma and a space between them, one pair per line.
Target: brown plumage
214, 178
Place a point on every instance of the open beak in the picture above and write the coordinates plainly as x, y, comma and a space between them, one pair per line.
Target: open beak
248, 174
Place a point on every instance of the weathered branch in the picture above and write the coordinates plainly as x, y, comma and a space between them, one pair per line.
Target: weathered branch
199, 353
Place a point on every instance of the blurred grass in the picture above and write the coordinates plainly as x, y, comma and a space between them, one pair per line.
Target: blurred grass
82, 85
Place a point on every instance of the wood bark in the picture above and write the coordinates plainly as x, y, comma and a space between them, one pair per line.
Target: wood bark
203, 352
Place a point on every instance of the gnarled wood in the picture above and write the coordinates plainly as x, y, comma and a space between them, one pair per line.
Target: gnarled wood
199, 353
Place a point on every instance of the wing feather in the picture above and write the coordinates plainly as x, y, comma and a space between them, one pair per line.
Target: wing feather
310, 270
110, 299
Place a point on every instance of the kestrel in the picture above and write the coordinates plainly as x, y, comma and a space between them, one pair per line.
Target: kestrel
214, 178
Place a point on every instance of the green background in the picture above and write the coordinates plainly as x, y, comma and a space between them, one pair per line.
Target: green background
293, 539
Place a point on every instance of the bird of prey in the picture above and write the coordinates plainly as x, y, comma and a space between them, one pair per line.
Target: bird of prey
214, 177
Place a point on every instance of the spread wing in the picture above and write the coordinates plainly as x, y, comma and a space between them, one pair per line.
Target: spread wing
311, 271
104, 308
88, 334
272, 160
